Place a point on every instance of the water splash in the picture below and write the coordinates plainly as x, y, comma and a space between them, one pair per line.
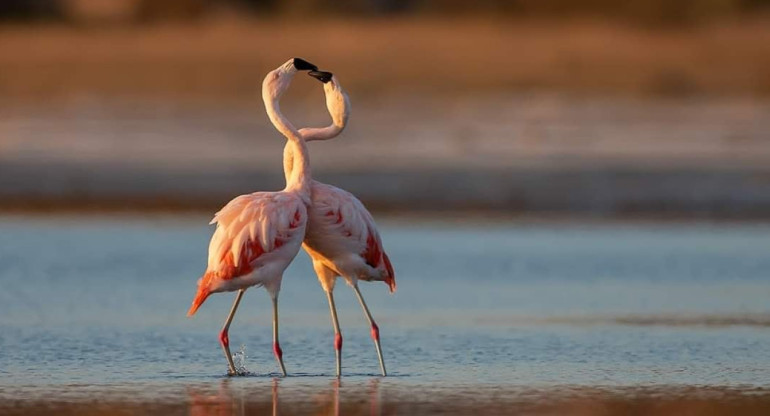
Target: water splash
239, 359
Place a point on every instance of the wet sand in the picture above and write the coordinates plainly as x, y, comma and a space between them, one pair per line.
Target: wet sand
382, 397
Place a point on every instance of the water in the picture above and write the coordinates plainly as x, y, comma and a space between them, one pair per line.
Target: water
497, 312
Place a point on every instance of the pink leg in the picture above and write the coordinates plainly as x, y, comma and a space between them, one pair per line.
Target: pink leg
337, 333
276, 345
224, 339
375, 328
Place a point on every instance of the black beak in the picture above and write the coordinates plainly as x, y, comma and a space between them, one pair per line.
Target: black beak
322, 76
303, 65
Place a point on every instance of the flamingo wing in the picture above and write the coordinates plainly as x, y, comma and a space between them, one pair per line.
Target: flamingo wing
339, 219
248, 227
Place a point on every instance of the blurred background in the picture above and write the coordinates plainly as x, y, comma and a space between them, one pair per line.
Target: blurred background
595, 108
549, 177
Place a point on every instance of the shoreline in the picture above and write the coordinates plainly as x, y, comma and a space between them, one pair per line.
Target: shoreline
684, 194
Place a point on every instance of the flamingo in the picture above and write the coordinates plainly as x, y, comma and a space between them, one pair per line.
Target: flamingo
341, 237
259, 234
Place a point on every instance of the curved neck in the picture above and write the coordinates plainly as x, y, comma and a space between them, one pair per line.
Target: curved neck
296, 162
338, 105
321, 133
308, 134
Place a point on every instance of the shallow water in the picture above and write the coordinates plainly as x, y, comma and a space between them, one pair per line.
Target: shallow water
95, 307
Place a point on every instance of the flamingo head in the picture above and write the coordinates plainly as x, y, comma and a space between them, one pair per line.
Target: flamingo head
322, 76
337, 101
278, 80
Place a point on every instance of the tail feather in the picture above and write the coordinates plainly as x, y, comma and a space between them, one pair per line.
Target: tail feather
390, 279
200, 297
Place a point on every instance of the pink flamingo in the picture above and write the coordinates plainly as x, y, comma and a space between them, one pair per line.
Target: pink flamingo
259, 234
341, 236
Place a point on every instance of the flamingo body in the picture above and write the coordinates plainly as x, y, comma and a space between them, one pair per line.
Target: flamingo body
259, 234
257, 237
342, 236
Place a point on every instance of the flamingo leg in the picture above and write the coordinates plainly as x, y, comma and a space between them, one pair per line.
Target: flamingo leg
375, 328
337, 333
224, 339
276, 345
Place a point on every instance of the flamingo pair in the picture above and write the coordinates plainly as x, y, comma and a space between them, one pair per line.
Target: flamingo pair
259, 234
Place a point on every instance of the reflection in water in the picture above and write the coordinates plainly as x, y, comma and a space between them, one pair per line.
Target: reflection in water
230, 399
275, 397
361, 396
335, 399
220, 403
327, 402
374, 397
251, 395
